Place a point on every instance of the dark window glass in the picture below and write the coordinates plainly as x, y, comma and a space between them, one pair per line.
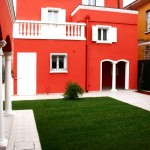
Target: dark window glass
104, 34
54, 62
61, 62
99, 34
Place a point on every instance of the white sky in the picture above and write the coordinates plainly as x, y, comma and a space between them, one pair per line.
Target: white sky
126, 2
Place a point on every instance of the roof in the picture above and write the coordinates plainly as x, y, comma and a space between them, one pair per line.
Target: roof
136, 4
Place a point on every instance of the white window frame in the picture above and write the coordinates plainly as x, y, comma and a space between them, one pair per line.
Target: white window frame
102, 32
111, 34
59, 70
148, 20
53, 15
97, 2
61, 15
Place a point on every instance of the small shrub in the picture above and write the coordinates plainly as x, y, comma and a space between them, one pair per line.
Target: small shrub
73, 90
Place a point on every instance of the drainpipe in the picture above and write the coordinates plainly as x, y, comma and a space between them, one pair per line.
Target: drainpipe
118, 3
86, 54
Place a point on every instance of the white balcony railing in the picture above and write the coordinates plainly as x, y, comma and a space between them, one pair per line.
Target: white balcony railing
39, 30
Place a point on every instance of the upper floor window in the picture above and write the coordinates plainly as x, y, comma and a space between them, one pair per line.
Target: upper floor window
104, 34
93, 2
58, 63
50, 14
148, 21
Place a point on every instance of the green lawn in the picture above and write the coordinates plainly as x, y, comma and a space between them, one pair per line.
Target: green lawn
89, 124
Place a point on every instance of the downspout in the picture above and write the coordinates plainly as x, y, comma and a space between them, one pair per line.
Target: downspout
118, 3
86, 54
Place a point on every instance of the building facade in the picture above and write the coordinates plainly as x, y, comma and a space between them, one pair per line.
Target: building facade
91, 42
143, 27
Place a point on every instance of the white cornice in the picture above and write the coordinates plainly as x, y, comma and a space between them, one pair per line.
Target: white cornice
103, 9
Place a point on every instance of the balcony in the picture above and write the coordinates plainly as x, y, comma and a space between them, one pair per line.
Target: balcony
24, 29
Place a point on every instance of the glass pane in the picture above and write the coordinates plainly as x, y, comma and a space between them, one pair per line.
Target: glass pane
61, 62
99, 34
54, 62
89, 2
49, 15
104, 34
55, 15
94, 2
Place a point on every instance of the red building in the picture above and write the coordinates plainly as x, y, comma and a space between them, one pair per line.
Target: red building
91, 42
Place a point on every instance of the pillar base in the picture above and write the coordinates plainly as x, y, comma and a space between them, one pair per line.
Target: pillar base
3, 144
113, 90
8, 113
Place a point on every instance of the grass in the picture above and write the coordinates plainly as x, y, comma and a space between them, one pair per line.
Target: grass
89, 124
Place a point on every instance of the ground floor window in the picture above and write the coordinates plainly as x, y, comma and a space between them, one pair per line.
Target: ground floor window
58, 63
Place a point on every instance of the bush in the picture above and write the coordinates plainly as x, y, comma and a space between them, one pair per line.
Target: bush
73, 90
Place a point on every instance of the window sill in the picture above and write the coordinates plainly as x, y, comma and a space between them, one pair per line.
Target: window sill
103, 42
59, 71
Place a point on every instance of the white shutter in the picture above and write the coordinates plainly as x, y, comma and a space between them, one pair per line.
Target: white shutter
62, 15
94, 33
84, 2
44, 14
99, 2
112, 34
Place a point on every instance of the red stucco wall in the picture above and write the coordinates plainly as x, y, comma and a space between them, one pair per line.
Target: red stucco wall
54, 82
5, 20
125, 47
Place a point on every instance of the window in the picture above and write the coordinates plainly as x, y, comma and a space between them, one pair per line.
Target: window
93, 2
148, 21
58, 63
52, 16
104, 34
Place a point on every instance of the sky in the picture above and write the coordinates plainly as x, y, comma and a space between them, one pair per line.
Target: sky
126, 2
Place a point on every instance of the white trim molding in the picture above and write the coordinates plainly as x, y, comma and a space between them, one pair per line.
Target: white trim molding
12, 9
103, 9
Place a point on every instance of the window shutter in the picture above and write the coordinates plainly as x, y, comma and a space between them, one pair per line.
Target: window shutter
62, 15
94, 33
113, 34
84, 2
44, 14
99, 2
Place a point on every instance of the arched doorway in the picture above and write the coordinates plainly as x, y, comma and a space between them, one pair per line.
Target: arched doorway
114, 74
120, 75
106, 75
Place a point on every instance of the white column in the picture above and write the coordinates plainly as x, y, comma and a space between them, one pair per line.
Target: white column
3, 141
8, 84
114, 77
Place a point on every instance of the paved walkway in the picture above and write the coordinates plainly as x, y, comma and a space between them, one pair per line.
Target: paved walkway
127, 96
21, 131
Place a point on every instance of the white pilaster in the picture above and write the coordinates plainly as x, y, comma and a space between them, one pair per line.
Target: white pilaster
114, 76
8, 84
3, 141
